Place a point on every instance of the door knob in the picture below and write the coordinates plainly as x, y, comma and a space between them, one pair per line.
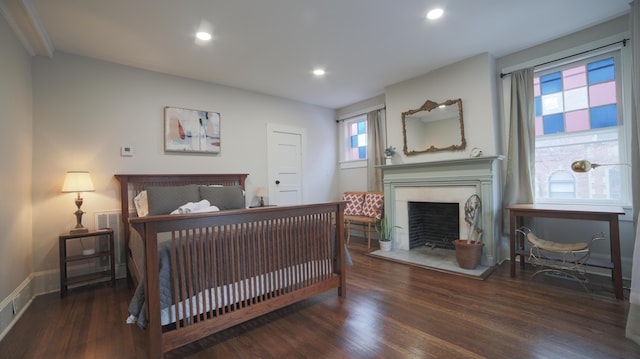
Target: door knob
277, 181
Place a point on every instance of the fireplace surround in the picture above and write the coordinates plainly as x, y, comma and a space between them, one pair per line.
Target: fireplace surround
449, 181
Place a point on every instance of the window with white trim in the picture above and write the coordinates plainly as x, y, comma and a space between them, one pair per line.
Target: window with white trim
355, 138
579, 115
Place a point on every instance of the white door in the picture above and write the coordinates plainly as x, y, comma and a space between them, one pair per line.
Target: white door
285, 146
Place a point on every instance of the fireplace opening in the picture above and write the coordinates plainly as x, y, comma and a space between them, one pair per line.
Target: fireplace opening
433, 224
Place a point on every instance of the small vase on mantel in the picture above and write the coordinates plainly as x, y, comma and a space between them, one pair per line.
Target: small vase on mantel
388, 154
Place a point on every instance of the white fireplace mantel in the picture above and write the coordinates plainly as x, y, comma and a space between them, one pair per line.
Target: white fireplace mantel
451, 180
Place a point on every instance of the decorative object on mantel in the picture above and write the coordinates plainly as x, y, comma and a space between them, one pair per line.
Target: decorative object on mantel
388, 154
582, 166
78, 181
469, 251
188, 130
384, 231
476, 152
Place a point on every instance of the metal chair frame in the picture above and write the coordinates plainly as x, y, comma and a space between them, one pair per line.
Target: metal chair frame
567, 260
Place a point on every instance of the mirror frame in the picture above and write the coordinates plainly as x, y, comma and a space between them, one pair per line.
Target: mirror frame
428, 106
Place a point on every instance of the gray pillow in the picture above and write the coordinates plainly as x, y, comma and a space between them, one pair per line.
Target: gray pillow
228, 197
166, 199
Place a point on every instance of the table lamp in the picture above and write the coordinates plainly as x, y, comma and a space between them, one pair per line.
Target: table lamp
262, 193
78, 181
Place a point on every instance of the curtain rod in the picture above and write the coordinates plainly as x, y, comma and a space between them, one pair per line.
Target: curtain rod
623, 41
366, 111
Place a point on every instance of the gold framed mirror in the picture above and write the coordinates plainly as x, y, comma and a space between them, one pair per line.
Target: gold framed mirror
433, 127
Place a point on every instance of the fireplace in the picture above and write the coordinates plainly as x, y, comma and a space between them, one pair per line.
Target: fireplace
451, 182
453, 195
433, 224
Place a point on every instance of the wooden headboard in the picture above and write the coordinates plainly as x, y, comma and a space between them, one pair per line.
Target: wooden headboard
131, 185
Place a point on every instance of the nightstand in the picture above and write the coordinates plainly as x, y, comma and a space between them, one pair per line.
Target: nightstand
65, 281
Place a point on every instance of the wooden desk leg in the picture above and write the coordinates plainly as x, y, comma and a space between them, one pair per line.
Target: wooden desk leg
62, 245
614, 238
519, 224
512, 242
112, 248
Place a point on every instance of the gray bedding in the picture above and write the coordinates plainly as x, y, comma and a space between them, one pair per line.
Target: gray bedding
137, 305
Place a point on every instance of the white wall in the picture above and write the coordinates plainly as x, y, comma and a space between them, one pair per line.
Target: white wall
563, 46
85, 110
468, 80
15, 144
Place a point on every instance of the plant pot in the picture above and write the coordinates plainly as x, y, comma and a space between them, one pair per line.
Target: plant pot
388, 161
385, 246
468, 255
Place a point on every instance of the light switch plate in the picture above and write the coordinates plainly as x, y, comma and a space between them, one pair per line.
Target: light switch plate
126, 151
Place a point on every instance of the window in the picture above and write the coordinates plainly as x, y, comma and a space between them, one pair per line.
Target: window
356, 138
562, 185
578, 115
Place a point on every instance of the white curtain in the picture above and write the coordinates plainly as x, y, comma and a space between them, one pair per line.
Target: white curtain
520, 154
633, 319
375, 150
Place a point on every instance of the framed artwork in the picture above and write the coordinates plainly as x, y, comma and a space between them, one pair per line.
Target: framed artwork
187, 130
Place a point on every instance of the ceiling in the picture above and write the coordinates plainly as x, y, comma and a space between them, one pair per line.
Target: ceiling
272, 46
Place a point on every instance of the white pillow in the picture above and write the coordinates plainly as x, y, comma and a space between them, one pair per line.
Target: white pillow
142, 204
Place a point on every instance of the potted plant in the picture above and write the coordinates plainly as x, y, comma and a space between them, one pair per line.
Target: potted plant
469, 251
388, 154
384, 232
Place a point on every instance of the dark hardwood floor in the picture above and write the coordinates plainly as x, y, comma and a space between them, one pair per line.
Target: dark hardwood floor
391, 311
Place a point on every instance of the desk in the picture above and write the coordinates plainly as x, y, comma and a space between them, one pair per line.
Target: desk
517, 212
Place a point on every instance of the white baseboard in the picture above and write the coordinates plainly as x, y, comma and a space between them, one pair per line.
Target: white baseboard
38, 283
13, 306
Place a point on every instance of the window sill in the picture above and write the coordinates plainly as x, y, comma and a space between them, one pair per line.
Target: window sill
353, 164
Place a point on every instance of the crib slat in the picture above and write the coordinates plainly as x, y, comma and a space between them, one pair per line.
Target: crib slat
228, 263
217, 263
305, 259
278, 240
260, 260
291, 260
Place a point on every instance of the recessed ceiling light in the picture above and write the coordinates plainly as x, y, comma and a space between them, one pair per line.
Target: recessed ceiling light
434, 14
203, 36
319, 72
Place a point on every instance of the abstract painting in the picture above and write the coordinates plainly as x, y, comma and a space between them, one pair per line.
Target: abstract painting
189, 130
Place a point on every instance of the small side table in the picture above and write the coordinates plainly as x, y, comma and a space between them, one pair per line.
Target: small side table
65, 281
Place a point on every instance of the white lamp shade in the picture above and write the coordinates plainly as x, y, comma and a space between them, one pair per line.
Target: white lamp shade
77, 181
261, 192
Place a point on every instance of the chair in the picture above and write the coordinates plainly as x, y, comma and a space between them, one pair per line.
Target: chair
362, 212
563, 259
